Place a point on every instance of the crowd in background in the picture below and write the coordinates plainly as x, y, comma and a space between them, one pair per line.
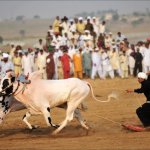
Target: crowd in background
81, 48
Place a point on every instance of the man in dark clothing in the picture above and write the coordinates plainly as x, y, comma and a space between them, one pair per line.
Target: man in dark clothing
89, 26
50, 64
138, 62
143, 112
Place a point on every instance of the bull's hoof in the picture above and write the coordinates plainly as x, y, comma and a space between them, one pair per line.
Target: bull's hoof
55, 126
34, 127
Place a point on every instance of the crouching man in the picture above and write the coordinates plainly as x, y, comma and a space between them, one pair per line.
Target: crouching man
143, 112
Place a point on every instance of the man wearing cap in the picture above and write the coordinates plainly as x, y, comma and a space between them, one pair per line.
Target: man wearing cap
72, 26
41, 63
56, 25
102, 27
87, 61
77, 63
5, 65
96, 64
143, 112
27, 63
50, 64
106, 64
65, 59
95, 25
80, 26
88, 38
89, 26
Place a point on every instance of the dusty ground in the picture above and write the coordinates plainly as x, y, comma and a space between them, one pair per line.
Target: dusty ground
104, 134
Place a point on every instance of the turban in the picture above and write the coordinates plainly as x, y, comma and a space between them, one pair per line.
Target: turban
5, 55
142, 75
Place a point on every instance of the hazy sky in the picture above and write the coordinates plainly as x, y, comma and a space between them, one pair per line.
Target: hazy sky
49, 9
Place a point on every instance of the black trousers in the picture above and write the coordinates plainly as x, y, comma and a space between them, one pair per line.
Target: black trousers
137, 68
143, 113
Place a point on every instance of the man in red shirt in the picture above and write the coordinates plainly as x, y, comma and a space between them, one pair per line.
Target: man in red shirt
65, 59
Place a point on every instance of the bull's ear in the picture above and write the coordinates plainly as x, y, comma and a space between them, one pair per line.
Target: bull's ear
13, 79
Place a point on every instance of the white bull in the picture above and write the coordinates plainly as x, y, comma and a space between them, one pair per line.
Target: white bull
41, 95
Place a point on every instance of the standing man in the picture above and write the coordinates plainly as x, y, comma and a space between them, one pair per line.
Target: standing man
102, 27
56, 26
96, 64
124, 65
41, 63
87, 62
77, 62
80, 26
12, 50
138, 62
146, 58
50, 65
143, 112
106, 65
17, 63
5, 65
27, 63
65, 59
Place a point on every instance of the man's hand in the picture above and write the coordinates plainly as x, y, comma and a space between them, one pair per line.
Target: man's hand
129, 91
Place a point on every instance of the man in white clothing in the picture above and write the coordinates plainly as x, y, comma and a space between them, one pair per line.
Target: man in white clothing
95, 25
102, 27
106, 65
96, 64
27, 63
41, 62
146, 58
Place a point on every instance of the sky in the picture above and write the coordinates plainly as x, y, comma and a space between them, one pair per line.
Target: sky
49, 9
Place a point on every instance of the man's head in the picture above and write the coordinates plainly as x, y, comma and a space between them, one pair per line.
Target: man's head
103, 22
80, 19
119, 34
5, 57
40, 41
141, 77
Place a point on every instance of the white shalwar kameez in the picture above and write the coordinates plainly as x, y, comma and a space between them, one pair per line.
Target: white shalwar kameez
96, 65
106, 65
131, 61
146, 60
27, 64
41, 64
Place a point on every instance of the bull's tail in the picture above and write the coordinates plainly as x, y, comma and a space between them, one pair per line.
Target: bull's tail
103, 101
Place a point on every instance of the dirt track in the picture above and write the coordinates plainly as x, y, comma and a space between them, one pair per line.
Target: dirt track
103, 135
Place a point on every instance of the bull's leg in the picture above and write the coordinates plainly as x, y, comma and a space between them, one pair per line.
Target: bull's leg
25, 119
77, 115
46, 113
69, 117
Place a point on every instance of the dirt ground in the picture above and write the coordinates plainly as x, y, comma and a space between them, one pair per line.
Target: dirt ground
104, 119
